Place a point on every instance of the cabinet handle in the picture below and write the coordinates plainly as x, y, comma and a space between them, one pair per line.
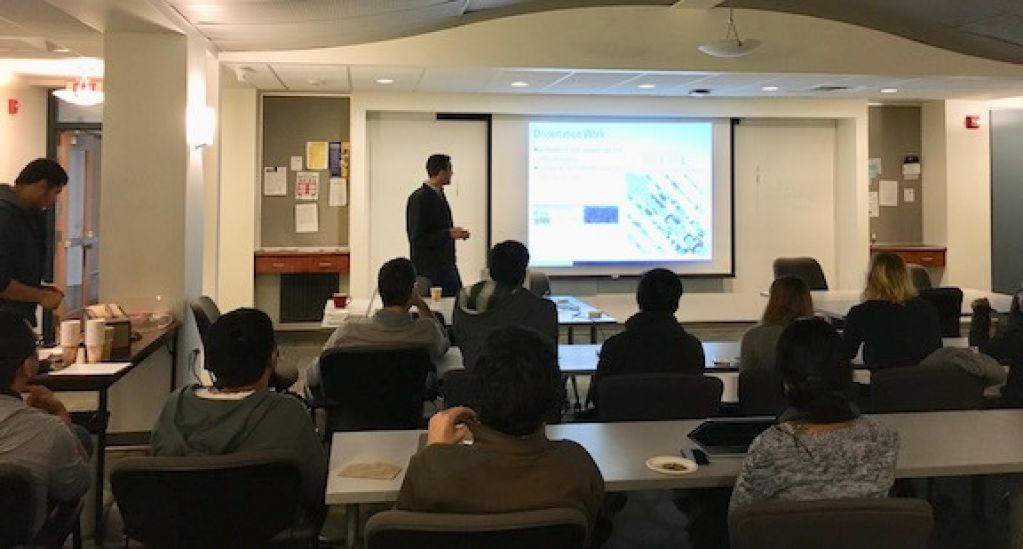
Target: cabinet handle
326, 264
926, 258
277, 265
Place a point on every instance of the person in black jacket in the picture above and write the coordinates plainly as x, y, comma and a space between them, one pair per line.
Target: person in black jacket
895, 326
431, 230
23, 238
1006, 345
653, 340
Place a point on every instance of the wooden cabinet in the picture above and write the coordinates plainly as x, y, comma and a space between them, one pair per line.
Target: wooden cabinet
296, 262
928, 256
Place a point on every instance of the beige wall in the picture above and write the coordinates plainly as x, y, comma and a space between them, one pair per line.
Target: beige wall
22, 135
239, 189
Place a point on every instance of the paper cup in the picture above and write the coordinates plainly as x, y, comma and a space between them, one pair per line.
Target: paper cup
95, 333
70, 333
68, 355
94, 353
435, 293
108, 342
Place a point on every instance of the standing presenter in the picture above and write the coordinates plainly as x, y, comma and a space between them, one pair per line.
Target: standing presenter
431, 230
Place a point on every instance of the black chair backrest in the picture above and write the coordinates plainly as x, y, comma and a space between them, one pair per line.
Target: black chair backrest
761, 392
925, 389
458, 389
17, 505
205, 312
234, 500
649, 397
806, 268
919, 275
877, 523
541, 529
949, 303
538, 282
374, 389
423, 284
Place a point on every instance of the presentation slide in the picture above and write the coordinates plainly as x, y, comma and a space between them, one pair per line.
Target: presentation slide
621, 195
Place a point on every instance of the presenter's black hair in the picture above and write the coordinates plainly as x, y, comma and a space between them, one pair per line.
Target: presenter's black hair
507, 263
17, 343
42, 169
239, 346
816, 371
517, 380
395, 280
659, 290
437, 163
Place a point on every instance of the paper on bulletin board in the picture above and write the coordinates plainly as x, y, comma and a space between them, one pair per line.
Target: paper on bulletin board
275, 180
306, 218
872, 207
335, 158
296, 163
338, 191
874, 168
307, 186
889, 192
908, 195
911, 171
316, 155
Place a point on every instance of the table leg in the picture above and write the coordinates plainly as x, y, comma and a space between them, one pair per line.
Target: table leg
575, 392
571, 334
172, 348
593, 333
352, 515
101, 454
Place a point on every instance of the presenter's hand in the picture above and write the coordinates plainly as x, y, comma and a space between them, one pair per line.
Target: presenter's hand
51, 297
458, 233
448, 426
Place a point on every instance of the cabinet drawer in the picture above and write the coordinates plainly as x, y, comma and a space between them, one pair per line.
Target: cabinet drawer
328, 264
279, 264
927, 259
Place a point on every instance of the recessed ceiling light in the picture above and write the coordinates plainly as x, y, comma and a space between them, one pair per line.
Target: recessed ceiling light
769, 88
519, 84
61, 50
646, 86
889, 90
385, 81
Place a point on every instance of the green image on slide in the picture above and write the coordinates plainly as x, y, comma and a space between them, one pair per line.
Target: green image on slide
664, 213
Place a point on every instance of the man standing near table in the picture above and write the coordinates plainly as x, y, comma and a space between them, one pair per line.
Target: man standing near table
23, 238
431, 230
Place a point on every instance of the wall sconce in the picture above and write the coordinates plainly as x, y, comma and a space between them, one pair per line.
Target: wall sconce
202, 126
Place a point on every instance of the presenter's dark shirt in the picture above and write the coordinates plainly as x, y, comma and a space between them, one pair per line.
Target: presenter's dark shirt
22, 249
427, 220
892, 334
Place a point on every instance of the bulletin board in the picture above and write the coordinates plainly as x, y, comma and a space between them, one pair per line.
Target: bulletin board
298, 126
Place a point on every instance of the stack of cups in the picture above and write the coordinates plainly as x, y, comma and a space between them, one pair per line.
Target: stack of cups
95, 337
70, 339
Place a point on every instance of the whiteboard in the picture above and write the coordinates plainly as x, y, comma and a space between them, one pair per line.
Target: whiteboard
398, 145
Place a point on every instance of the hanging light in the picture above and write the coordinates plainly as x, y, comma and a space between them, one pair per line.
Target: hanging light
732, 45
83, 92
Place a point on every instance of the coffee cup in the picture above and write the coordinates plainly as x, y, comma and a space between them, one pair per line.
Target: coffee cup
70, 339
436, 292
95, 337
340, 300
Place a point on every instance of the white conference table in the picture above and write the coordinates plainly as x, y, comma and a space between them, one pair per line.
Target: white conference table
572, 312
931, 444
836, 303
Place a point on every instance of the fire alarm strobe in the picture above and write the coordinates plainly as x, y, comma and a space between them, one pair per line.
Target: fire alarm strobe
972, 122
12, 106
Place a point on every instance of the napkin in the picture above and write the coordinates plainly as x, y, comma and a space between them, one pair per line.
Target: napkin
375, 470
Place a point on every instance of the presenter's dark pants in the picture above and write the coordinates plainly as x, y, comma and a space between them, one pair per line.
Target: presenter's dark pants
450, 281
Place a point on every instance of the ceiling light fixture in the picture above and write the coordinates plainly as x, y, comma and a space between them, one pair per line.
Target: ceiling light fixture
889, 90
769, 88
83, 92
61, 50
699, 92
646, 86
520, 84
385, 81
732, 45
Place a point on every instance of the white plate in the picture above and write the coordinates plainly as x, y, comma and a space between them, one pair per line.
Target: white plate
661, 464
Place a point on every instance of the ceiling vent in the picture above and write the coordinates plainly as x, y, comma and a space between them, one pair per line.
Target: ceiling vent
830, 89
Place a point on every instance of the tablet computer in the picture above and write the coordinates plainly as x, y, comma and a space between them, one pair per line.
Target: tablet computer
729, 436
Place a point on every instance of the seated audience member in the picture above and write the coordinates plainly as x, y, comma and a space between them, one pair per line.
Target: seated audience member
238, 413
36, 433
894, 325
790, 299
391, 327
653, 341
822, 448
1005, 345
490, 304
511, 465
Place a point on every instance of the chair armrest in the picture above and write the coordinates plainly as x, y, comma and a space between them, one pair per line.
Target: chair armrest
63, 520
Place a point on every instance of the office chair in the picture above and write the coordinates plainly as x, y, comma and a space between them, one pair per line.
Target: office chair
919, 275
761, 392
18, 510
650, 397
806, 268
949, 304
560, 528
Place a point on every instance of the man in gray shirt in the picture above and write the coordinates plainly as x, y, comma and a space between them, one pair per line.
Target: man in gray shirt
391, 327
36, 432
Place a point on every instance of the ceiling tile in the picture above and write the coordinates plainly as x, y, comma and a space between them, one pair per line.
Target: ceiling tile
537, 80
364, 78
458, 80
314, 78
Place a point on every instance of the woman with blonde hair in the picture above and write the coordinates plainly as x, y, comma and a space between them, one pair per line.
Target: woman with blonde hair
789, 299
894, 325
